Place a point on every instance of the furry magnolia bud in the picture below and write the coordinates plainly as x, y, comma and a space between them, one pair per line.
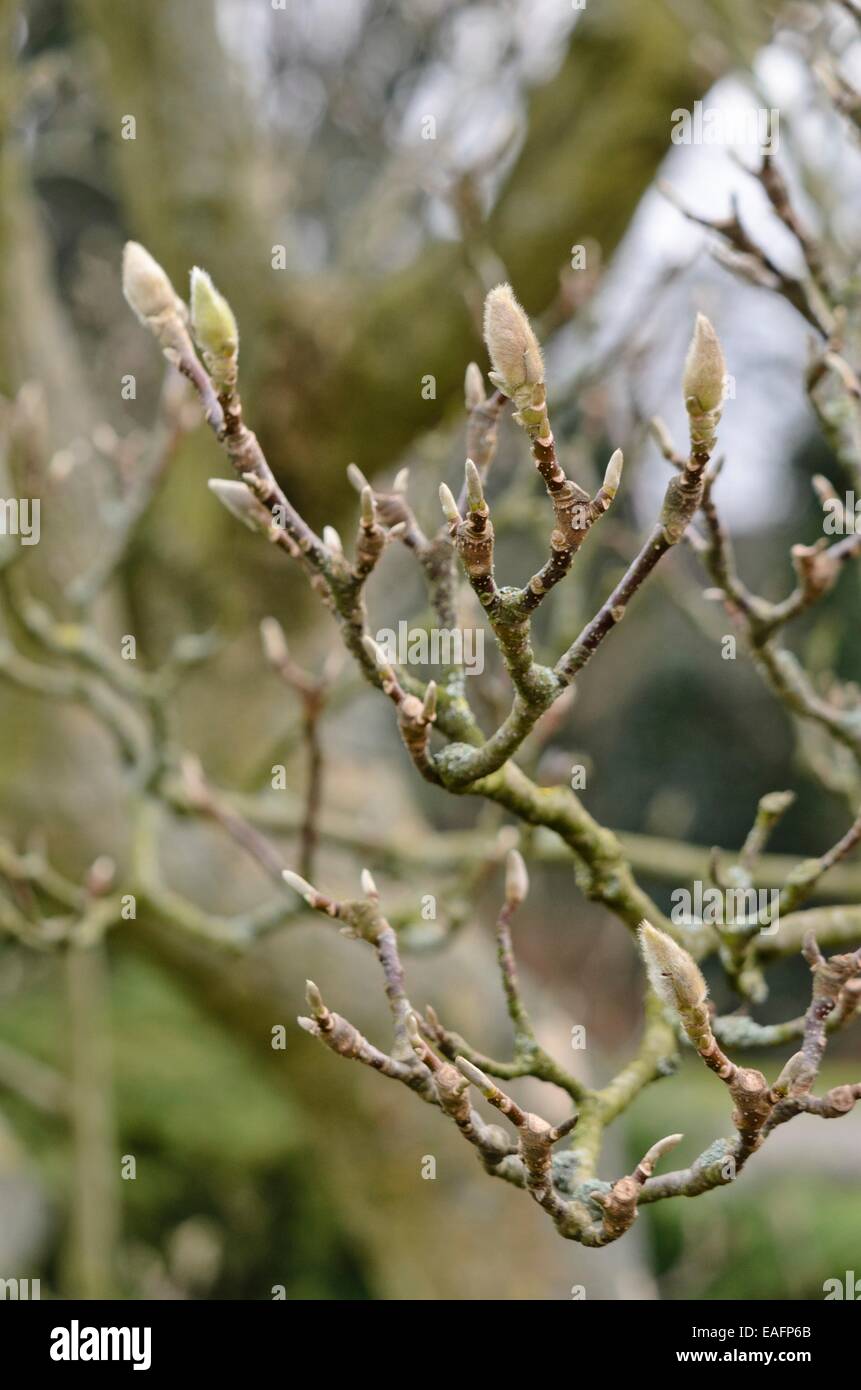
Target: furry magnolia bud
146, 285
150, 294
704, 375
215, 330
511, 343
673, 974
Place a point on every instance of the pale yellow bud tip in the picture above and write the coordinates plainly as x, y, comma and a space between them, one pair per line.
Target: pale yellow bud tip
511, 342
705, 369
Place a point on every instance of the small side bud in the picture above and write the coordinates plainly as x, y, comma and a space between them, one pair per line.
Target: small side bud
356, 477
448, 504
516, 878
476, 1076
369, 513
376, 653
412, 1030
797, 1073
704, 373
511, 343
429, 703
238, 501
332, 540
369, 887
275, 647
657, 1152
823, 488
473, 387
402, 480
673, 974
299, 884
613, 474
215, 330
474, 490
314, 999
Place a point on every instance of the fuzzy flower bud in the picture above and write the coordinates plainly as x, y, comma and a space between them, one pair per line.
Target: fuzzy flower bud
673, 974
704, 375
150, 294
146, 285
214, 329
613, 474
511, 343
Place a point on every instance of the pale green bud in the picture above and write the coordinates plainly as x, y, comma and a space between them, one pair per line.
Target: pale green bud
474, 490
215, 329
704, 375
613, 475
